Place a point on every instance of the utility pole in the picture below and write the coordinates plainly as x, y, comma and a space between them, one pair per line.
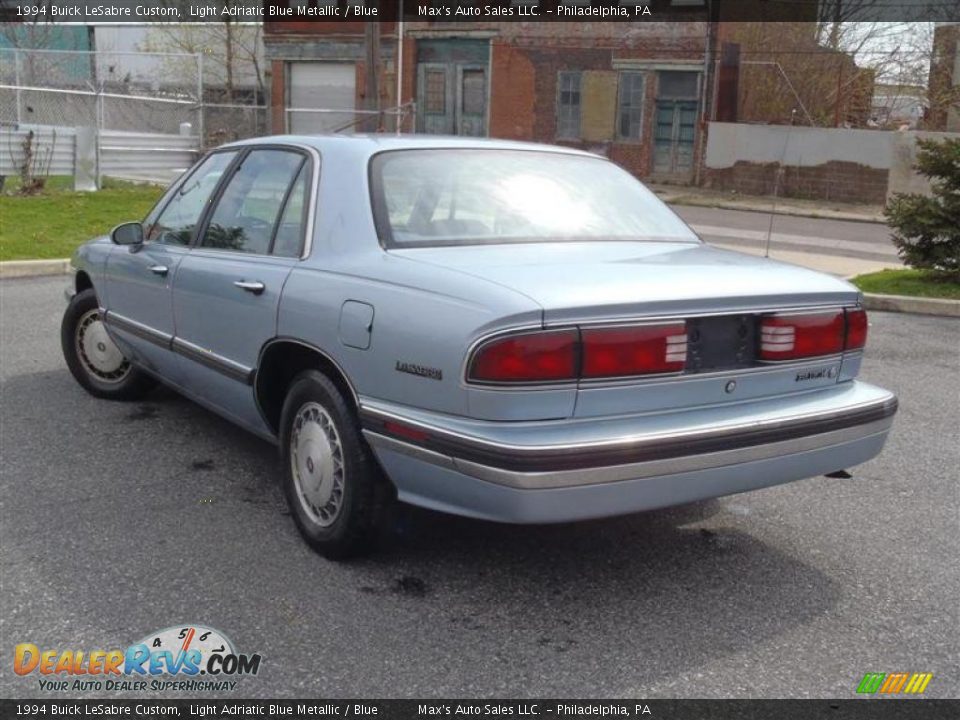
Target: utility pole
399, 72
372, 54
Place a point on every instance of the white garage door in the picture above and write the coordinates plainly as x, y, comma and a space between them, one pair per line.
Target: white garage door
320, 86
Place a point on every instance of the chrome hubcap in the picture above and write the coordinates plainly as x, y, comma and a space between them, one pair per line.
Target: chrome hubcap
97, 352
316, 459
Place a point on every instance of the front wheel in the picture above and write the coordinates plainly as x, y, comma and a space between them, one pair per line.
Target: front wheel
93, 358
336, 492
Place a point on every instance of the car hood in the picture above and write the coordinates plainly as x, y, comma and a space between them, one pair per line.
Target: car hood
576, 281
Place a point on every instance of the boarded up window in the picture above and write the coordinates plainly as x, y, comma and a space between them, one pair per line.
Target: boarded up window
598, 103
568, 105
630, 106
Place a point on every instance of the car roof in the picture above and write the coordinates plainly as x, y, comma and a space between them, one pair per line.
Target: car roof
365, 145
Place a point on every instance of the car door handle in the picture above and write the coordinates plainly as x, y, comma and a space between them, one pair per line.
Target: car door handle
252, 286
159, 269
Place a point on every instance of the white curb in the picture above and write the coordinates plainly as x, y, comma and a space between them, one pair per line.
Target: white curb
919, 305
32, 268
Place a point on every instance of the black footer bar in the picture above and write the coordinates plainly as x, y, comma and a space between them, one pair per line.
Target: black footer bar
852, 709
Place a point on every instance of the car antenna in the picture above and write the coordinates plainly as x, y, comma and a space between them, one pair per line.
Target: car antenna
776, 182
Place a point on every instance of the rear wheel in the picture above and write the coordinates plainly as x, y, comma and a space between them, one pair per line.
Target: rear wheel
93, 358
336, 492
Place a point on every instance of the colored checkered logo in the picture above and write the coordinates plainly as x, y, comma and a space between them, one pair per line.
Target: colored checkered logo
894, 683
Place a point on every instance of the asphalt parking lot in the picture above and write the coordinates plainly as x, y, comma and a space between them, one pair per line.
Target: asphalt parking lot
121, 519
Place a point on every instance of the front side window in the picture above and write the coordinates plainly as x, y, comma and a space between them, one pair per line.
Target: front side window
474, 197
568, 105
246, 215
176, 222
630, 106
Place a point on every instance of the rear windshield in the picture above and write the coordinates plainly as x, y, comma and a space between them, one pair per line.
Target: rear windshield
474, 197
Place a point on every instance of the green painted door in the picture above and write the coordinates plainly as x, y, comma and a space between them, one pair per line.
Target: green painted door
452, 86
676, 124
452, 99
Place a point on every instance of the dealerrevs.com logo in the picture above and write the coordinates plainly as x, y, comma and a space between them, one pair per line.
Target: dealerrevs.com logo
178, 658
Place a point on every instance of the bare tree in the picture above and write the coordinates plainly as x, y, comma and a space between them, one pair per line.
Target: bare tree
832, 68
231, 55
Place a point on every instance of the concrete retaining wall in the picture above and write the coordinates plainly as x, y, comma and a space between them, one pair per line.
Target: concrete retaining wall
837, 164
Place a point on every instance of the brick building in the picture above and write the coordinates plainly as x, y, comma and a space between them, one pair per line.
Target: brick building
783, 74
943, 88
632, 91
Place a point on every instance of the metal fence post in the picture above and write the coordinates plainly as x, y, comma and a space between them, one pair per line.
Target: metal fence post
99, 130
200, 104
16, 81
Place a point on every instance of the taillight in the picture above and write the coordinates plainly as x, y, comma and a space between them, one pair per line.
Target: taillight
856, 329
792, 336
639, 350
564, 355
406, 431
531, 357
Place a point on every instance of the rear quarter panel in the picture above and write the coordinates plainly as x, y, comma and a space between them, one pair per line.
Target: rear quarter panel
412, 325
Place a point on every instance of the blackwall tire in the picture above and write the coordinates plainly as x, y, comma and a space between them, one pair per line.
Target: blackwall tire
92, 357
336, 492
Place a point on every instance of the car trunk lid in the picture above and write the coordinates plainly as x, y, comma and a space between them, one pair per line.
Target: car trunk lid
600, 281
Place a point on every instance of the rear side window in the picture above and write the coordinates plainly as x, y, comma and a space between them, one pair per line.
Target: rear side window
290, 230
251, 208
176, 222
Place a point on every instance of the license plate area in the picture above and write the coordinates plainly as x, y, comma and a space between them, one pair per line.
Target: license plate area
727, 342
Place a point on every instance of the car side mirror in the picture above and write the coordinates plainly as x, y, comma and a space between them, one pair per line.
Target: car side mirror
130, 233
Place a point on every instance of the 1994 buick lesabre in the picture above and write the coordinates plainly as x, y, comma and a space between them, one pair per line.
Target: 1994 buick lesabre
506, 331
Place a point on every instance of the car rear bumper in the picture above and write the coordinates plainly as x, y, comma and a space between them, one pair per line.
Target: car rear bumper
554, 471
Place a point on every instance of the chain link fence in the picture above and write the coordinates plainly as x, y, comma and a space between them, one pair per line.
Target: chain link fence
156, 92
105, 90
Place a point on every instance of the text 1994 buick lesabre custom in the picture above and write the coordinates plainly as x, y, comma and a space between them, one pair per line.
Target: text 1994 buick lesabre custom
501, 330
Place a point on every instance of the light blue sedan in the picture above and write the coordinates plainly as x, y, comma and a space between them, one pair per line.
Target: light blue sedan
506, 331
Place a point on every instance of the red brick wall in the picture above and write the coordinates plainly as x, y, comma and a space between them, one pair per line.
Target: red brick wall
524, 60
524, 98
408, 91
547, 63
835, 180
512, 93
278, 99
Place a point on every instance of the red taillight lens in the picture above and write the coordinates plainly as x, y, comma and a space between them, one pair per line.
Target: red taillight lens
640, 350
856, 329
406, 431
793, 336
532, 357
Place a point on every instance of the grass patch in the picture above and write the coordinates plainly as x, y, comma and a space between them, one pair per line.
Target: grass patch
54, 223
915, 283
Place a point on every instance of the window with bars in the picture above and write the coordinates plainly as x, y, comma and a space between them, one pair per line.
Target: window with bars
568, 105
435, 94
474, 94
630, 106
